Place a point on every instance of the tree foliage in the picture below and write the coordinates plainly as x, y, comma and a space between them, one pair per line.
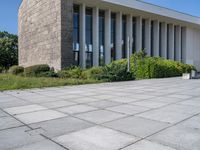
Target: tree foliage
8, 49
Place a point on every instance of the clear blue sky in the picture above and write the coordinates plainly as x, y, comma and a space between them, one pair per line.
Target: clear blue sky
9, 10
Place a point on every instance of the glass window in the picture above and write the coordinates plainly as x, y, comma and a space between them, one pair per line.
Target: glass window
134, 35
160, 38
168, 41
76, 35
152, 38
101, 38
124, 36
113, 36
88, 36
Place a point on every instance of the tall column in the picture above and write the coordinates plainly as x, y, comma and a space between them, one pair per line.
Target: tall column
82, 36
107, 36
156, 38
148, 36
178, 43
163, 40
171, 42
129, 32
138, 34
96, 36
119, 36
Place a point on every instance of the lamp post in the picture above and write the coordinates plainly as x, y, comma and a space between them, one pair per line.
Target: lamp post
128, 53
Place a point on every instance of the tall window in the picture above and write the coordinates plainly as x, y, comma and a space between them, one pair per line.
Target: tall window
89, 42
124, 36
160, 38
76, 47
152, 38
175, 44
143, 34
167, 41
113, 36
182, 44
101, 38
134, 35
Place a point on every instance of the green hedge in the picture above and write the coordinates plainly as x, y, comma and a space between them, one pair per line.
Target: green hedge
16, 70
144, 67
36, 70
73, 72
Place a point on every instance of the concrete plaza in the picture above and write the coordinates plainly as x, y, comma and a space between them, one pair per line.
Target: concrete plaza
159, 114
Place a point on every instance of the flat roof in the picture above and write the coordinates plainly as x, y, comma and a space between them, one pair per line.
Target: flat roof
155, 9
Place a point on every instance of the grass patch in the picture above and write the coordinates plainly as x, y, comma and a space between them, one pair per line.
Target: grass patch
12, 82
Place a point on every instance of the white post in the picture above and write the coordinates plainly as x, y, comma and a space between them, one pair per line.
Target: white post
148, 36
164, 40
128, 53
129, 31
178, 43
107, 36
119, 36
171, 42
82, 36
138, 34
96, 36
156, 38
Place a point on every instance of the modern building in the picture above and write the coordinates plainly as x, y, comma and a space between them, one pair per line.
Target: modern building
95, 32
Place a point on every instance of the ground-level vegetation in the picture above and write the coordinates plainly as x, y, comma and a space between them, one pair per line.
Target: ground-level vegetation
141, 67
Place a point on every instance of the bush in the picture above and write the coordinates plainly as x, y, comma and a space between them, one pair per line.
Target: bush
16, 70
36, 70
144, 67
1, 69
73, 73
93, 72
116, 71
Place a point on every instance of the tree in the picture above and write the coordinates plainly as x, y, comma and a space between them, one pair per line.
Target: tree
8, 49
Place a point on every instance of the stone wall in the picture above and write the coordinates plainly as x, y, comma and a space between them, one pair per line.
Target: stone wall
40, 38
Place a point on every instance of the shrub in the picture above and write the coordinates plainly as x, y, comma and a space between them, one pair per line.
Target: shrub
144, 67
36, 70
15, 70
116, 71
94, 72
1, 69
73, 72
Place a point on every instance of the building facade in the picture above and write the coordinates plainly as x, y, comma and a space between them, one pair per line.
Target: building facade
90, 33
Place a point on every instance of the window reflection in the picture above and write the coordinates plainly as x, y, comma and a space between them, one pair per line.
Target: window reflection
89, 41
113, 36
76, 40
101, 38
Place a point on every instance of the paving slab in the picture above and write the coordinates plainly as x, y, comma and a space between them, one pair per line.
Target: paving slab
104, 104
57, 104
24, 109
137, 126
180, 138
39, 116
193, 122
149, 104
17, 137
100, 116
44, 145
61, 126
147, 145
9, 122
76, 109
128, 109
165, 116
95, 138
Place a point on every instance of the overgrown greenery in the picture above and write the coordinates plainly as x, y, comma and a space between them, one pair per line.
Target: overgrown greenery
12, 82
142, 67
8, 50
